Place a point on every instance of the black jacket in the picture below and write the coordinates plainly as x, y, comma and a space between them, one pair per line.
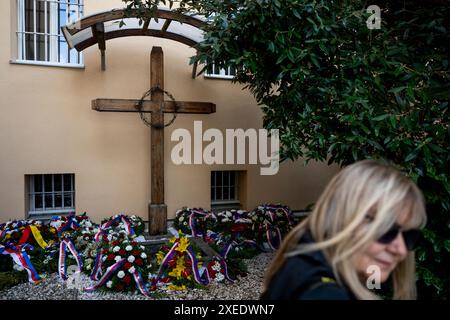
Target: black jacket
306, 277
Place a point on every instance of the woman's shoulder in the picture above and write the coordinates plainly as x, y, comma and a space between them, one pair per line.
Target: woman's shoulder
306, 277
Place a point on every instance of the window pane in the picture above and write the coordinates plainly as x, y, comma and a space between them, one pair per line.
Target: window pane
29, 46
219, 193
38, 201
57, 179
58, 200
63, 50
232, 176
213, 178
48, 201
37, 183
232, 193
226, 179
67, 182
40, 43
73, 56
62, 14
40, 17
74, 13
67, 200
213, 193
48, 183
29, 16
219, 178
226, 193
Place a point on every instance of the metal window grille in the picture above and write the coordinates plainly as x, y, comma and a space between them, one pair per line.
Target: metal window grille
39, 35
214, 71
51, 194
224, 187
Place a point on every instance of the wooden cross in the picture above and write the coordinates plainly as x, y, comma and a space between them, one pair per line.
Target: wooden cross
157, 210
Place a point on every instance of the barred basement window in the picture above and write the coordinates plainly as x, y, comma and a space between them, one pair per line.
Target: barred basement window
225, 189
51, 194
214, 71
39, 35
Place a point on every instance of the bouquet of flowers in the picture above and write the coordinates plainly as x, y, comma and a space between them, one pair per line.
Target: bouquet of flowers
178, 266
193, 221
119, 226
129, 261
270, 223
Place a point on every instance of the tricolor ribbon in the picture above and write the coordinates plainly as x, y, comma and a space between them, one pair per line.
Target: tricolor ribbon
140, 284
165, 261
21, 258
109, 272
63, 246
226, 250
270, 239
107, 224
70, 223
199, 278
97, 270
283, 208
192, 220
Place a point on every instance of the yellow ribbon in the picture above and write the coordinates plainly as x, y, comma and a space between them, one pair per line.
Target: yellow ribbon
38, 237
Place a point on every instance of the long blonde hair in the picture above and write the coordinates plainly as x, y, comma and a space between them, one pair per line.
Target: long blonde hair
365, 187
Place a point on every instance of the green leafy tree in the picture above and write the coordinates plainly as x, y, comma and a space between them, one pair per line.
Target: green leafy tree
341, 92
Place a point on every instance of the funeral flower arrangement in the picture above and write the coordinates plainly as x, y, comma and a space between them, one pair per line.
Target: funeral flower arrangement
175, 263
126, 261
112, 256
265, 225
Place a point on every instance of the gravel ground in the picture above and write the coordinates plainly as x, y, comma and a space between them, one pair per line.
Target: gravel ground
52, 288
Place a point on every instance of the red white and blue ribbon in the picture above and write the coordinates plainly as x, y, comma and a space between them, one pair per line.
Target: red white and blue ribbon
20, 257
70, 223
275, 208
97, 270
107, 224
108, 274
63, 246
199, 278
140, 284
192, 220
274, 245
165, 261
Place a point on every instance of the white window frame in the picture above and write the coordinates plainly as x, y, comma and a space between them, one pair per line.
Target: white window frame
222, 74
51, 210
232, 199
53, 35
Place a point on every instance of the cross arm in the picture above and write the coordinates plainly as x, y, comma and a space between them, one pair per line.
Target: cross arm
130, 105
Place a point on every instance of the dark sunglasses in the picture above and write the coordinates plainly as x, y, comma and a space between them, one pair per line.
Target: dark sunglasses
411, 237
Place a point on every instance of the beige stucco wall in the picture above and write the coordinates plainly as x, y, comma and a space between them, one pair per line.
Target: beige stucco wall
47, 126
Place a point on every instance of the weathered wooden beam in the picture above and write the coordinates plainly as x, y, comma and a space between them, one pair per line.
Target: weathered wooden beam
194, 70
130, 105
98, 31
136, 32
120, 14
166, 25
157, 210
146, 24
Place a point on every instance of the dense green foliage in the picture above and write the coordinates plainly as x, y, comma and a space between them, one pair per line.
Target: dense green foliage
340, 92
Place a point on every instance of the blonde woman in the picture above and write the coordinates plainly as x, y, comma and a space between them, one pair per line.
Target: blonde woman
361, 233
